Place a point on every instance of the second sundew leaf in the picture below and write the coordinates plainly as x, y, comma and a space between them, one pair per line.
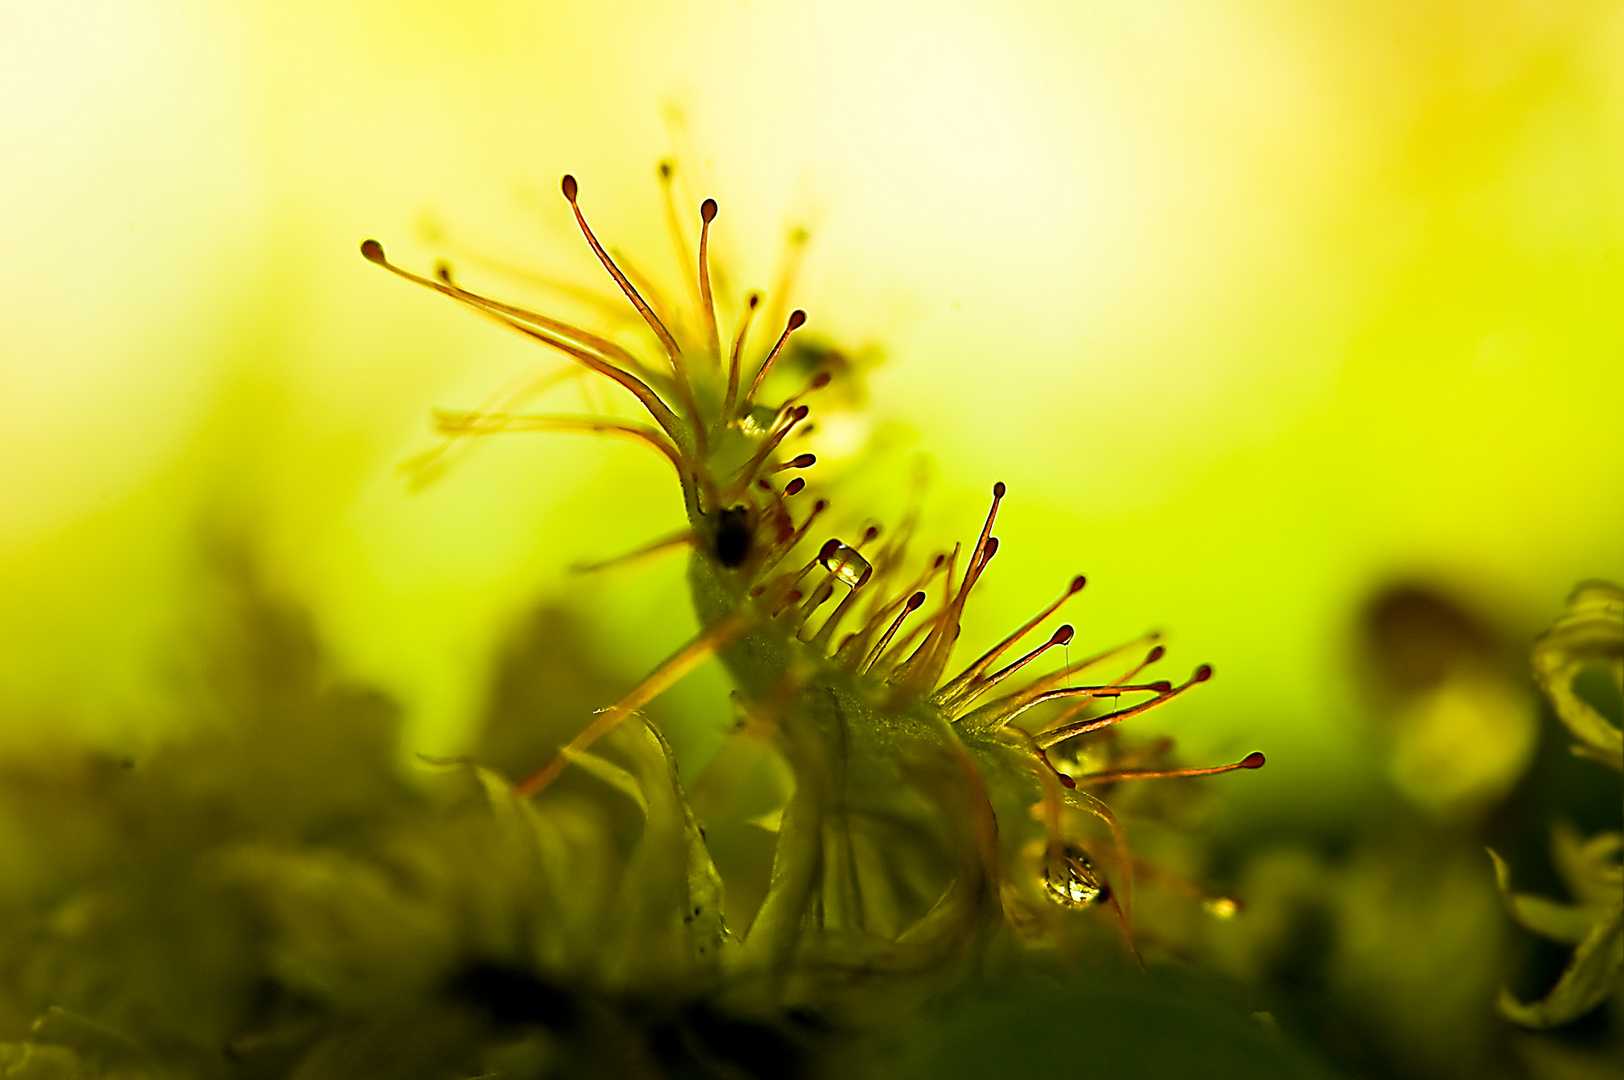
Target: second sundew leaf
1567, 923
880, 827
613, 775
665, 926
1591, 974
1592, 632
1590, 868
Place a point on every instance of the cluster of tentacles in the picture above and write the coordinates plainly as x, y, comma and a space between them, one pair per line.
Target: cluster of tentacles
882, 652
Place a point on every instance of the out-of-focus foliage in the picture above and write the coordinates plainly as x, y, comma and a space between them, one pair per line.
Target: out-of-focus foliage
267, 895
1454, 721
1591, 634
1385, 941
1589, 637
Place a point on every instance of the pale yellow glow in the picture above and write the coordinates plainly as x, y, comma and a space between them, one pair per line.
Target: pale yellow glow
1252, 307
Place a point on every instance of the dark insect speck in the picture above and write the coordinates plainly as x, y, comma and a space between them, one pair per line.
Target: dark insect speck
733, 536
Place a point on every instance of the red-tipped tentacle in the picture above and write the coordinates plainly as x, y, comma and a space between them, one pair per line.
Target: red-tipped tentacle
962, 682
1052, 736
884, 610
998, 712
902, 673
796, 320
1061, 637
938, 647
747, 472
752, 302
571, 190
909, 606
1116, 687
462, 424
581, 354
1254, 760
707, 302
679, 366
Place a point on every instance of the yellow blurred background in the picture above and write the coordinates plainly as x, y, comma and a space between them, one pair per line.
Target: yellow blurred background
1256, 306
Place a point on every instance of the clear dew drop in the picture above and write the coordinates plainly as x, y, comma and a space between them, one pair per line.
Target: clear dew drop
846, 563
1070, 881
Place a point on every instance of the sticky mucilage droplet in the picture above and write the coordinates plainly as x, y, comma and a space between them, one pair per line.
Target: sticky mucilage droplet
1069, 879
845, 563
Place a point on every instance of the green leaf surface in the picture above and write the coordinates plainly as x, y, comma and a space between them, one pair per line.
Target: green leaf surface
1591, 974
1591, 632
1567, 923
668, 916
1589, 868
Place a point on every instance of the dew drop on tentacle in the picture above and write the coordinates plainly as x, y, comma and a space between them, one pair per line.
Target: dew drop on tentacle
845, 563
1069, 879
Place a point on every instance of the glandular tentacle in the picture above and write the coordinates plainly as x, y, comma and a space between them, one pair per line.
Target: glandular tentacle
953, 694
575, 350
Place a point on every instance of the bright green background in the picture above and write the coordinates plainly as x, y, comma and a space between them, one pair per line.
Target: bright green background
1255, 306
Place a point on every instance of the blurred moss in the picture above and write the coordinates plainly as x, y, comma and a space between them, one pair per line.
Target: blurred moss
1588, 640
267, 894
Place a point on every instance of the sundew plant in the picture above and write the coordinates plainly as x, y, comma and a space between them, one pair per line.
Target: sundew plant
930, 805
